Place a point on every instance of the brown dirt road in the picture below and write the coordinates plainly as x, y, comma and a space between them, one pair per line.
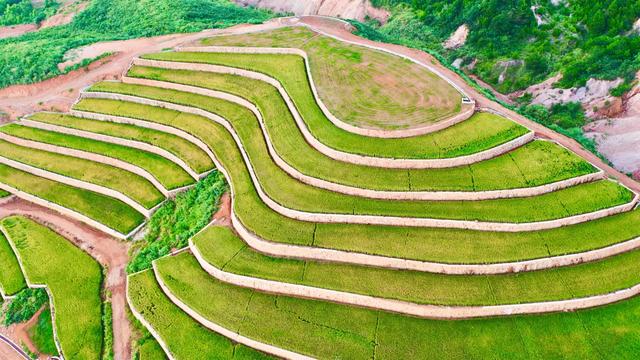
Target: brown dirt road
8, 352
341, 30
109, 251
59, 93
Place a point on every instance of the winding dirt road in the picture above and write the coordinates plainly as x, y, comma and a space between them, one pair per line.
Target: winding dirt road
109, 251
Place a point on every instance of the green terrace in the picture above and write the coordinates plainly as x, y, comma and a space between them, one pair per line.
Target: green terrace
464, 246
75, 290
219, 247
327, 330
185, 338
169, 174
534, 164
480, 132
135, 187
106, 210
11, 278
365, 87
191, 154
296, 195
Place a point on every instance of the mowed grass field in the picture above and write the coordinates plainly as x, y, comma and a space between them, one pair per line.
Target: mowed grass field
73, 278
169, 174
191, 154
104, 209
361, 86
534, 164
329, 331
11, 278
480, 132
224, 250
185, 338
135, 187
296, 195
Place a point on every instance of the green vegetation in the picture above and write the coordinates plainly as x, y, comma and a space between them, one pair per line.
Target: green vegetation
75, 289
360, 85
296, 195
479, 133
580, 39
25, 305
150, 350
185, 338
190, 153
11, 278
177, 220
169, 174
222, 249
34, 56
104, 209
415, 243
534, 164
42, 334
107, 326
13, 12
134, 186
328, 330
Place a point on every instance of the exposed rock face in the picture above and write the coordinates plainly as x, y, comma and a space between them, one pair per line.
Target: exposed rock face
595, 94
636, 26
505, 65
458, 38
346, 9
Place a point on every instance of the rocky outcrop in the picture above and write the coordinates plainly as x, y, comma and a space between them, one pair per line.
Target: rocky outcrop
346, 9
458, 38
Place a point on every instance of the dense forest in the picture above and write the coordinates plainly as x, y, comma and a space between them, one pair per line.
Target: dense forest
579, 38
13, 12
34, 56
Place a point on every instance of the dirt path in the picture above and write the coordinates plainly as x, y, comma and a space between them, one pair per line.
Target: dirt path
60, 92
109, 251
223, 215
10, 351
340, 30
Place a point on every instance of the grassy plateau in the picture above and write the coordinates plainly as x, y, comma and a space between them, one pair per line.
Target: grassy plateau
362, 86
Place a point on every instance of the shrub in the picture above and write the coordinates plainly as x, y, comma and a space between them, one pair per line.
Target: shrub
26, 303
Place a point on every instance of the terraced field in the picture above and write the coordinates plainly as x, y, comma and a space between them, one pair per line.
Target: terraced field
75, 291
471, 239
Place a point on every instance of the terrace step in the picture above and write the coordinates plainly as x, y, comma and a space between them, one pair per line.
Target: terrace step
224, 256
341, 181
300, 212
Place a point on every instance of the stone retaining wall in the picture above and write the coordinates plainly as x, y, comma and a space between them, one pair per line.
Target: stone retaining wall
351, 190
234, 336
112, 140
76, 183
368, 219
421, 130
63, 210
331, 152
331, 255
86, 155
440, 312
148, 326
